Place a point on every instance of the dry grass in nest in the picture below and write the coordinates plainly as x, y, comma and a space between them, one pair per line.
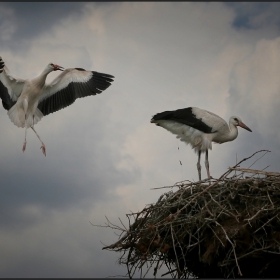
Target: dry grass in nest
226, 227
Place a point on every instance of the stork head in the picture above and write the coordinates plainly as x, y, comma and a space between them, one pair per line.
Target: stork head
237, 122
55, 67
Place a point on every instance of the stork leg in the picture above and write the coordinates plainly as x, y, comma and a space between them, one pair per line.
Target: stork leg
24, 143
43, 147
199, 166
25, 107
207, 164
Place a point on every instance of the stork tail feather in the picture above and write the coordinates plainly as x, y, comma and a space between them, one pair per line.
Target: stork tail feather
17, 116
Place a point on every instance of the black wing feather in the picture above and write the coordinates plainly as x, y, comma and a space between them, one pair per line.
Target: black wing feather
65, 97
6, 100
184, 116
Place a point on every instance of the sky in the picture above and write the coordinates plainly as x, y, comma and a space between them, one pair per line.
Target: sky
104, 156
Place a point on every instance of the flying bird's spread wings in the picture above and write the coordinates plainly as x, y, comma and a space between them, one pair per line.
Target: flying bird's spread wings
27, 101
10, 87
71, 84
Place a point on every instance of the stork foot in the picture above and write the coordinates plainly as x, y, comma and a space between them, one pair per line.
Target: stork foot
43, 147
24, 146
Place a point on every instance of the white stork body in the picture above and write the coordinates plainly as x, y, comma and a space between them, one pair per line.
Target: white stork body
27, 101
199, 128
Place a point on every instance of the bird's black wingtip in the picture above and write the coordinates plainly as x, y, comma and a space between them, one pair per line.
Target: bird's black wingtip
97, 74
2, 64
103, 75
154, 121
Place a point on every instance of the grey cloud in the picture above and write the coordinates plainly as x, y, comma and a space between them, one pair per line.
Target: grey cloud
255, 15
41, 16
67, 178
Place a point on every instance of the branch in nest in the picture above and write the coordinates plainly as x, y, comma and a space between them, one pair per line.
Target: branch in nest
246, 170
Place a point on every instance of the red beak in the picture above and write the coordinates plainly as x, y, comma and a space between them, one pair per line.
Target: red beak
243, 125
57, 67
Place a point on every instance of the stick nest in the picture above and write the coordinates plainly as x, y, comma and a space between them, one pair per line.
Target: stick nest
226, 227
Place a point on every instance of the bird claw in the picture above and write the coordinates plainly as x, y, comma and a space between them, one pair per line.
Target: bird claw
43, 147
24, 146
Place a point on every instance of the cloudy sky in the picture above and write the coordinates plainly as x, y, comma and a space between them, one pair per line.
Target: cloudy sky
103, 154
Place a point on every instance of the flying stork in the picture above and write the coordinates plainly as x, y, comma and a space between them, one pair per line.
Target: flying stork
27, 101
199, 128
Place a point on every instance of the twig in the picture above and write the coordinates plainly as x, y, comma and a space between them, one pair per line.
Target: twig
270, 199
174, 248
266, 223
233, 247
267, 151
251, 218
255, 171
169, 272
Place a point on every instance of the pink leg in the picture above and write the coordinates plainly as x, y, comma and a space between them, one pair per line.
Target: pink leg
25, 108
199, 166
43, 147
24, 143
207, 164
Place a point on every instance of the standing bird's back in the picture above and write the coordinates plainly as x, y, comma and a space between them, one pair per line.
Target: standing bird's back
191, 125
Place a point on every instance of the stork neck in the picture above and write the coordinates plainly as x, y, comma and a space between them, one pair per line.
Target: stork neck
45, 72
41, 79
233, 132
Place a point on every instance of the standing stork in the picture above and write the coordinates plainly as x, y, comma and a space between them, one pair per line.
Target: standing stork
199, 128
27, 101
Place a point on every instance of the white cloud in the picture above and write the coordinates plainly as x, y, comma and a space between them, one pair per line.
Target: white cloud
255, 87
8, 24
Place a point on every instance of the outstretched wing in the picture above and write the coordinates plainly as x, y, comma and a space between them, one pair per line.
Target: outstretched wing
10, 87
199, 119
71, 84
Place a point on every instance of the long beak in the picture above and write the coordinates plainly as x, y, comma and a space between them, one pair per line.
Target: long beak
243, 125
57, 67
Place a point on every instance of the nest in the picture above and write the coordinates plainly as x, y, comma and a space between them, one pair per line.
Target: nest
226, 227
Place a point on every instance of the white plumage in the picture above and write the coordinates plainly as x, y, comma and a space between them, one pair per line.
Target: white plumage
199, 128
27, 101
